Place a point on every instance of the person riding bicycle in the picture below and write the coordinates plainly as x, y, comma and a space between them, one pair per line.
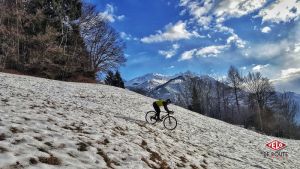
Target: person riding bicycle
160, 103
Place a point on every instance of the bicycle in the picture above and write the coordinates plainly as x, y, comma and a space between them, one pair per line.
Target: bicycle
169, 121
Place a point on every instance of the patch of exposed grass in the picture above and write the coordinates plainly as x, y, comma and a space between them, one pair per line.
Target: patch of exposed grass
26, 119
183, 159
33, 161
3, 150
104, 142
106, 158
15, 130
18, 141
4, 100
162, 165
82, 146
155, 157
42, 150
18, 165
2, 137
71, 155
180, 165
203, 166
193, 166
48, 144
144, 143
39, 138
50, 160
61, 146
147, 162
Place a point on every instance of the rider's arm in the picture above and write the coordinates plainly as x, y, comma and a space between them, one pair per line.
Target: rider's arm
166, 106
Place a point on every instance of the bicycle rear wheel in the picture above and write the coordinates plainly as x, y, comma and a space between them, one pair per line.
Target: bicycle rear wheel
170, 123
151, 117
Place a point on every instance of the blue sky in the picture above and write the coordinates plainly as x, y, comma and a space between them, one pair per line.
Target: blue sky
207, 36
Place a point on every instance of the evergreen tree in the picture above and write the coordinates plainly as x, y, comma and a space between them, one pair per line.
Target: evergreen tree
195, 100
109, 79
119, 80
114, 79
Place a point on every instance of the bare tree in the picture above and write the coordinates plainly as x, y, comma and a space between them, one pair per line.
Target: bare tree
105, 47
260, 91
288, 106
235, 80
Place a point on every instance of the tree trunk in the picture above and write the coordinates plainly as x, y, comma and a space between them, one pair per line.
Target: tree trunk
237, 100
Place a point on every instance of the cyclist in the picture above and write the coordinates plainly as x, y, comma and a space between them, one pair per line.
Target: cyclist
158, 104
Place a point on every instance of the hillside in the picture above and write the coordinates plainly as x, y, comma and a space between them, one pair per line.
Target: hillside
175, 87
76, 125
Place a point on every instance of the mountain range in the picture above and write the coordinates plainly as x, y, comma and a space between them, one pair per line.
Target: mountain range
161, 86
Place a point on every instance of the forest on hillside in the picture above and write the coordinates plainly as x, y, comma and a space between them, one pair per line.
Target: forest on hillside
250, 101
57, 39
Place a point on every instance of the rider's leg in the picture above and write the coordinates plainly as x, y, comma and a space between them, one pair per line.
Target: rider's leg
157, 109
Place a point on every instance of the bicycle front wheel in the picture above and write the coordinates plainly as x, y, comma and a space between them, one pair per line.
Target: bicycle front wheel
170, 123
151, 117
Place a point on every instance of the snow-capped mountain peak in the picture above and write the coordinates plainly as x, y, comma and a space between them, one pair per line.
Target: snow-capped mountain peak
147, 82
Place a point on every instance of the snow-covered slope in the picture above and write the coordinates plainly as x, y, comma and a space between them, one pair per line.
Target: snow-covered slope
77, 125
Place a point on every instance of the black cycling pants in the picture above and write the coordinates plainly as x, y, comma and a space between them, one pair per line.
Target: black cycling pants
157, 109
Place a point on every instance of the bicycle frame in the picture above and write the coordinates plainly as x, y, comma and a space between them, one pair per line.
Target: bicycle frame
167, 114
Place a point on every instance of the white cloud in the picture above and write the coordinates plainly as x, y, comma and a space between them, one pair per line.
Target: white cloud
121, 17
208, 51
281, 11
266, 29
221, 28
170, 53
258, 68
199, 10
288, 73
211, 51
126, 36
297, 48
267, 50
235, 39
187, 55
109, 14
172, 33
207, 11
236, 8
289, 80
